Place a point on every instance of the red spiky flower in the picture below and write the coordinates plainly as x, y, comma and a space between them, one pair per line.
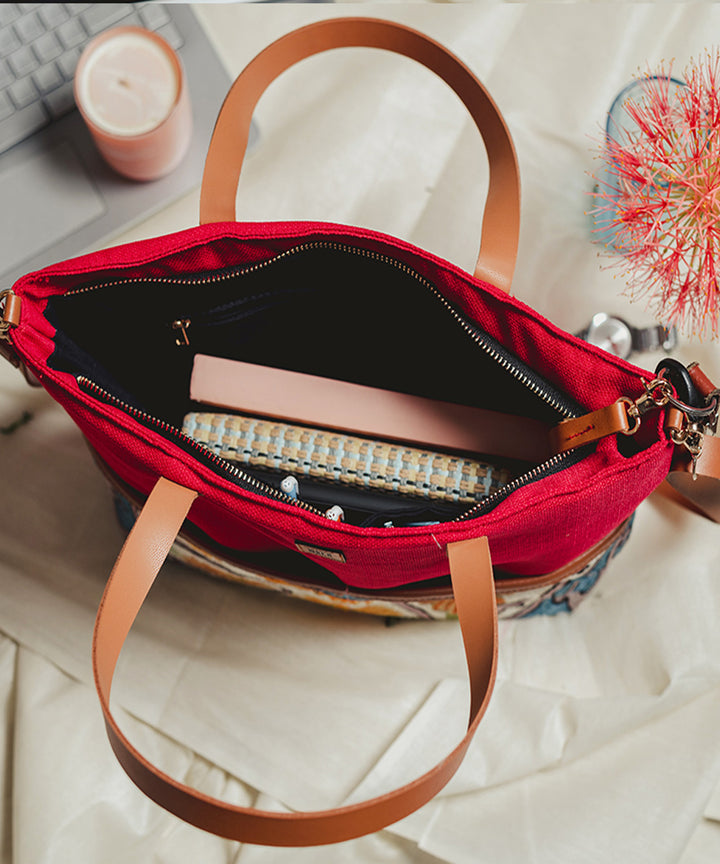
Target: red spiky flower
660, 197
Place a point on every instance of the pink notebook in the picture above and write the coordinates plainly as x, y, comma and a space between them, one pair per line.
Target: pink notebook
372, 412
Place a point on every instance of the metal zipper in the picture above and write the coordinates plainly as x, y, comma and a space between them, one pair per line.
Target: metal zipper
211, 278
202, 451
223, 276
228, 468
544, 469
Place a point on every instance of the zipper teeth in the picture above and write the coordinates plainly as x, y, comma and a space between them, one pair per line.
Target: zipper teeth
168, 429
212, 277
366, 253
534, 474
495, 355
264, 488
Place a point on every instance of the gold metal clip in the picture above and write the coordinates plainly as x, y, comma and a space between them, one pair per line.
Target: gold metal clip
182, 325
691, 438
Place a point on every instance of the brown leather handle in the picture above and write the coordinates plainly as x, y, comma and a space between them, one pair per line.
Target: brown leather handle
134, 573
501, 221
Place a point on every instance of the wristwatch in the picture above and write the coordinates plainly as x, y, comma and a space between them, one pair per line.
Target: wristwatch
615, 335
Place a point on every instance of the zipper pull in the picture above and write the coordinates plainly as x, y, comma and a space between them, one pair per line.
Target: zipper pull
290, 486
182, 325
621, 417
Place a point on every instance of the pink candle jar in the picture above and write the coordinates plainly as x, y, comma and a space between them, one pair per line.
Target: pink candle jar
131, 91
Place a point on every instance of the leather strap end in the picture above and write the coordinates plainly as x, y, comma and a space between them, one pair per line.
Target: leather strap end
591, 427
702, 383
11, 310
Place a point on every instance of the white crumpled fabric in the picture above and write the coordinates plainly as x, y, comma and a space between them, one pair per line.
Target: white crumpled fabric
601, 742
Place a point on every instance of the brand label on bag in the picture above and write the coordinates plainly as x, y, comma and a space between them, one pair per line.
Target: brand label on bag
320, 552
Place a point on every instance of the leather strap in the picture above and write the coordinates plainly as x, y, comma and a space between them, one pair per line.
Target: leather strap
576, 431
698, 484
700, 380
134, 573
501, 222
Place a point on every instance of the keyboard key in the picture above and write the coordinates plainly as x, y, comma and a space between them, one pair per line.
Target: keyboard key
72, 33
8, 13
6, 75
23, 62
154, 16
47, 48
22, 124
22, 92
68, 62
47, 78
60, 101
8, 42
29, 27
6, 106
53, 14
103, 15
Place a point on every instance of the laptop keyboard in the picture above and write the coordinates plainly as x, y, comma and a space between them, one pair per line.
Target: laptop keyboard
40, 44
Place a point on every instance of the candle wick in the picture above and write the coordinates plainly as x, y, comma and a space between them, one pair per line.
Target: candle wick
123, 82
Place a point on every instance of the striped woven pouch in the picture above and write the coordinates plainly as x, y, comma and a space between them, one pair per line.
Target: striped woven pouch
341, 458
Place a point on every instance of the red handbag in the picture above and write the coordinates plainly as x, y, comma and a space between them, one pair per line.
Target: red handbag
603, 434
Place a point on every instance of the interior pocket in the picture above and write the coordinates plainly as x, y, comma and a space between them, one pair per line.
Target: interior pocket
322, 309
328, 312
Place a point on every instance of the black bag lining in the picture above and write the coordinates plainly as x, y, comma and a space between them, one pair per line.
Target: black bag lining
322, 311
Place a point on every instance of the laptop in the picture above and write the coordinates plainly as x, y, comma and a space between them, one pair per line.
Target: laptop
58, 197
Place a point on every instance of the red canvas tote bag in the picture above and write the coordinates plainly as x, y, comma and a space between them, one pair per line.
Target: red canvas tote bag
589, 435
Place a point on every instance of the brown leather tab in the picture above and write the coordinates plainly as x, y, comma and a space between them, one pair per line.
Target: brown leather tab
700, 483
702, 383
11, 309
591, 427
135, 571
501, 222
674, 420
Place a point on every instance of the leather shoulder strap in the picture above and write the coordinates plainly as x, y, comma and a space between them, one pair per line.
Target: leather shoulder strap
134, 573
501, 223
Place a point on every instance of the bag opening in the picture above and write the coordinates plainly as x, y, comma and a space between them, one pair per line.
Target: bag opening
325, 309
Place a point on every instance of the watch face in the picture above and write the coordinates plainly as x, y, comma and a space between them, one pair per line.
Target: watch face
611, 334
